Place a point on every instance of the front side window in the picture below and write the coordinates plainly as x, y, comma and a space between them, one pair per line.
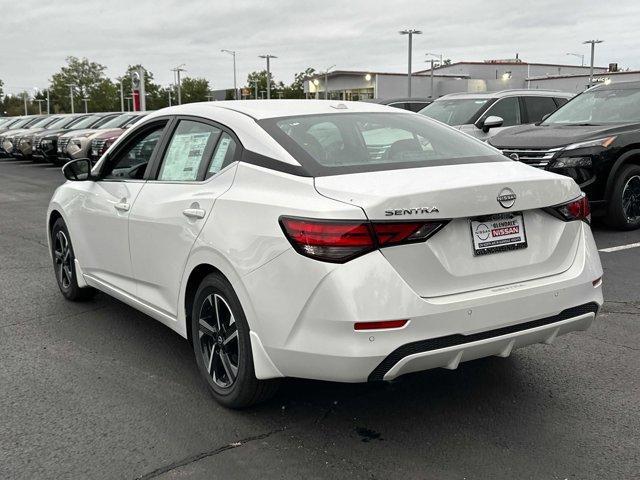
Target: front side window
508, 109
538, 107
351, 142
454, 111
190, 148
599, 107
132, 161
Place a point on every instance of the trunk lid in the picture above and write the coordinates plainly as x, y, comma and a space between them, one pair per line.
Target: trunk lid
445, 264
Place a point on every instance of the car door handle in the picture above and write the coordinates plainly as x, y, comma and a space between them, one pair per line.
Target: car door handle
122, 206
194, 213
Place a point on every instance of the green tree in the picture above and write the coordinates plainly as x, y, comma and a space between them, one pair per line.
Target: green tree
88, 80
13, 105
1, 91
194, 90
296, 90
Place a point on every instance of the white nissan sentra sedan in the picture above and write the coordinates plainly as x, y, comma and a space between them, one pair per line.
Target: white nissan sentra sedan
338, 241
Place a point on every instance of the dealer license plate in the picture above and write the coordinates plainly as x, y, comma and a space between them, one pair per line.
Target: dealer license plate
498, 233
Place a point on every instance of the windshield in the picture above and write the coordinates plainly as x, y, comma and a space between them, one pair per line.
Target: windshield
599, 107
456, 111
43, 122
119, 121
21, 123
352, 142
85, 122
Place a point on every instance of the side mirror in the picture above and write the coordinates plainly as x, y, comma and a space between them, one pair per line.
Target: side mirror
492, 121
78, 170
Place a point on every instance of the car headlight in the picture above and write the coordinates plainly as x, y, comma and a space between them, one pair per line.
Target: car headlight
600, 142
572, 162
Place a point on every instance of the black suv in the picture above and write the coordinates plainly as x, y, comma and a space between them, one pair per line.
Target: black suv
594, 139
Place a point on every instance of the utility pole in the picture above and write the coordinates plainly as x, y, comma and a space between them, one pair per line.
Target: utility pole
48, 103
86, 101
169, 94
39, 100
431, 61
411, 32
121, 95
177, 72
268, 57
24, 96
71, 86
593, 47
235, 84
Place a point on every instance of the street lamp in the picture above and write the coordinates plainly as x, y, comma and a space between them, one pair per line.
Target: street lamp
593, 47
86, 109
326, 81
580, 56
268, 57
71, 87
437, 55
235, 85
411, 32
177, 72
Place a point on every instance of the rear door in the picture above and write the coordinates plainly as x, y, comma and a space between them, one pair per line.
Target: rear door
174, 205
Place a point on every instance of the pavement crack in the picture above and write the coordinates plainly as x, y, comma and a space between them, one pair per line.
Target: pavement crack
209, 453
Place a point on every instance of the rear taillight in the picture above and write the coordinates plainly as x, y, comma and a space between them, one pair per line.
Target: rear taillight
339, 241
574, 210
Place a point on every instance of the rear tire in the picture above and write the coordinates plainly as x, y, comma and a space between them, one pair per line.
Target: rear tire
222, 346
64, 264
624, 204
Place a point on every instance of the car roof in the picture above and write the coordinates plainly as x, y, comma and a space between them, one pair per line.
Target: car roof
387, 101
617, 86
261, 109
508, 93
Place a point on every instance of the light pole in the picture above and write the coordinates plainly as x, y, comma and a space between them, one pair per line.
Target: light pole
580, 56
235, 84
411, 32
438, 55
268, 57
24, 97
326, 81
431, 61
71, 87
177, 72
593, 47
39, 100
169, 94
121, 94
48, 102
86, 101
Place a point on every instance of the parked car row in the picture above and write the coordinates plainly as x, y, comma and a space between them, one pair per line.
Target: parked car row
59, 138
593, 138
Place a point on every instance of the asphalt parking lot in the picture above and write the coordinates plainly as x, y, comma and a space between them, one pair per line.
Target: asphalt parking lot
99, 390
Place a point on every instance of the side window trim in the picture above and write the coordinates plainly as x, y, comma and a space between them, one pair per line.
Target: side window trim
154, 171
133, 137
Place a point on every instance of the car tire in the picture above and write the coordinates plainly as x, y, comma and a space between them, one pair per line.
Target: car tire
64, 264
624, 204
222, 346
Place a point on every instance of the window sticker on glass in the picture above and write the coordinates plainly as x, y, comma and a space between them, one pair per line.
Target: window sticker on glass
226, 148
183, 157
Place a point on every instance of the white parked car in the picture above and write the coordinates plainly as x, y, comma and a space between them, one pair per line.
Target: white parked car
329, 240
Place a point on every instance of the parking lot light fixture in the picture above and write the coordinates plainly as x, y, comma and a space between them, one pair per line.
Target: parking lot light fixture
580, 56
326, 81
268, 57
177, 71
86, 101
410, 32
235, 84
593, 47
71, 87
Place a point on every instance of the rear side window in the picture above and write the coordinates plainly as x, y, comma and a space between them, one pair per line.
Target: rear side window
508, 109
223, 155
330, 144
190, 146
538, 107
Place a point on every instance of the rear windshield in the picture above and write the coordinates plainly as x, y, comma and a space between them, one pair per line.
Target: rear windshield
454, 112
330, 144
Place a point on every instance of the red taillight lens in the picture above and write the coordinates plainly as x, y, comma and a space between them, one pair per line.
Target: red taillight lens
340, 241
575, 210
330, 241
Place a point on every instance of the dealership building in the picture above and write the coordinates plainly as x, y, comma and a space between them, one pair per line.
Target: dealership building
476, 77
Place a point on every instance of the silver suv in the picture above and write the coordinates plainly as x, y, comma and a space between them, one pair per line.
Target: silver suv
482, 115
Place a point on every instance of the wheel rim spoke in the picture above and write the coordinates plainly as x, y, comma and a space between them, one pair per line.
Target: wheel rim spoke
230, 369
231, 337
206, 328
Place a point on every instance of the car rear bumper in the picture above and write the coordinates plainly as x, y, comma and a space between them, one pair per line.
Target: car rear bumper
316, 339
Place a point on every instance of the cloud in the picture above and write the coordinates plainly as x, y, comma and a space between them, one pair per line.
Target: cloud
357, 34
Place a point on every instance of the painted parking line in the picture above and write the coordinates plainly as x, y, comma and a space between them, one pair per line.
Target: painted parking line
621, 247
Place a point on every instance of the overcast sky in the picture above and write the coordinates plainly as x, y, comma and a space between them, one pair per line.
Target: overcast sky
37, 35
